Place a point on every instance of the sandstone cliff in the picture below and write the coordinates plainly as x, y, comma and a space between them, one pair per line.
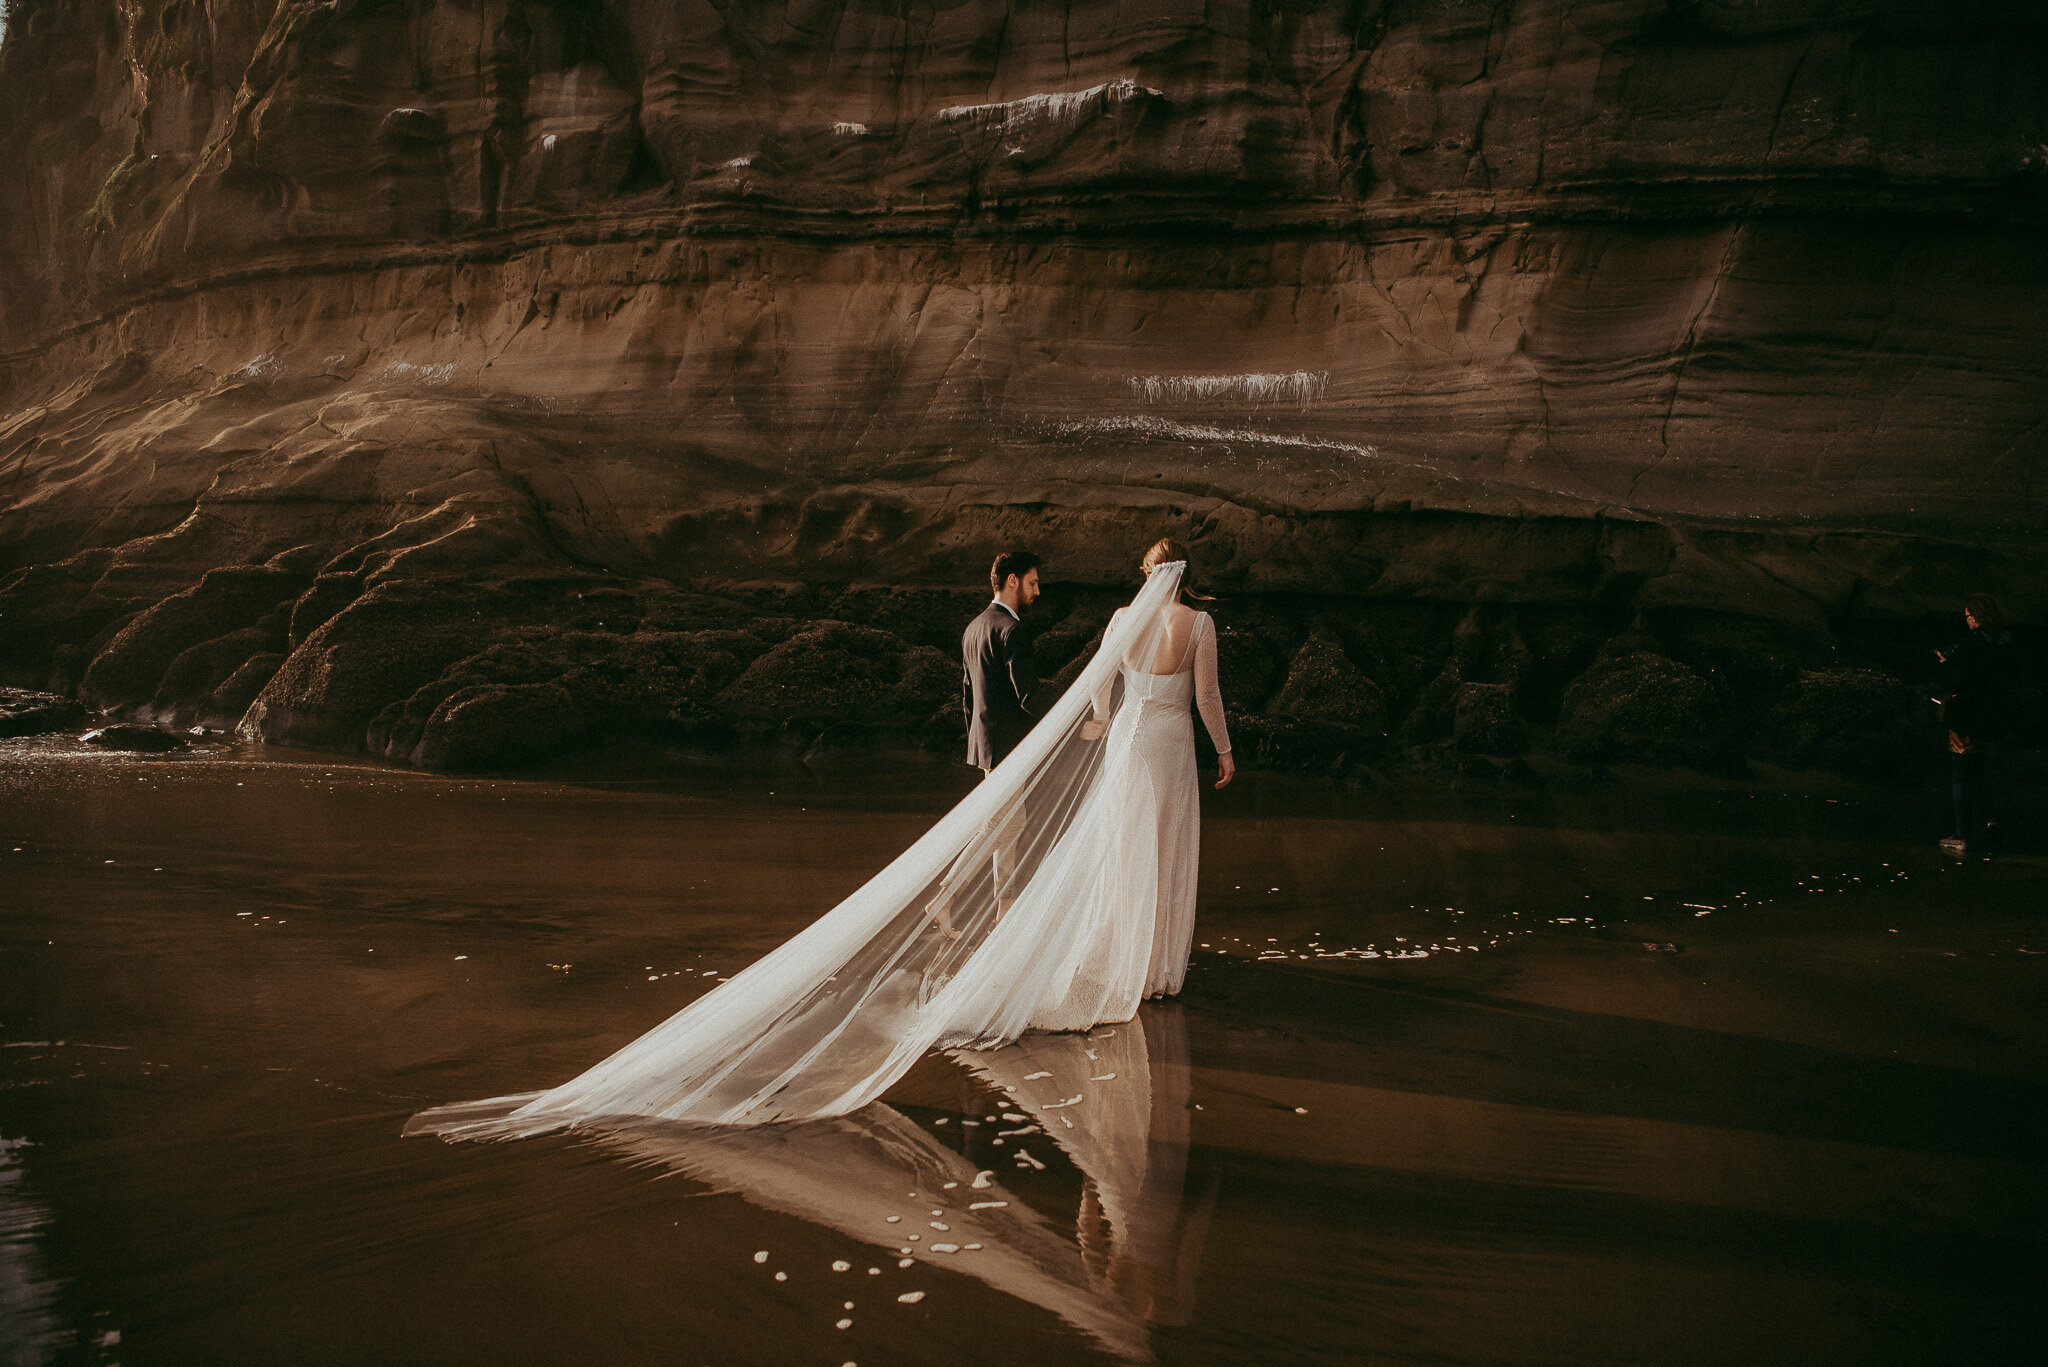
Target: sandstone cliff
451, 378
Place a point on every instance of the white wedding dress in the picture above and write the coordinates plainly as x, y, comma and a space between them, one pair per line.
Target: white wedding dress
1067, 886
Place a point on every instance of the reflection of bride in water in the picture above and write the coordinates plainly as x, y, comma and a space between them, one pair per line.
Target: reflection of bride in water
1114, 1101
1088, 910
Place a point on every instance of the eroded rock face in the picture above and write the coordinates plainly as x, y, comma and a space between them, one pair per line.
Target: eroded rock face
348, 350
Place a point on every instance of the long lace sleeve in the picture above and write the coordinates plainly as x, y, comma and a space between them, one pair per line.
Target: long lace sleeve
1208, 694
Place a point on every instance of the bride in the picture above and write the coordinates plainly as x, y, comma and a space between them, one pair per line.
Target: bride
1068, 878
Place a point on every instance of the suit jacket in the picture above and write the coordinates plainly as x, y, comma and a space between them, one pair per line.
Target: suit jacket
996, 685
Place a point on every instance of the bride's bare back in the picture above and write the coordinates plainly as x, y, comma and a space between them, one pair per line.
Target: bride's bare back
1171, 654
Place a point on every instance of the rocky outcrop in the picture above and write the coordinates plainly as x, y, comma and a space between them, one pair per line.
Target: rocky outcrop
141, 739
463, 381
1860, 722
25, 712
1642, 706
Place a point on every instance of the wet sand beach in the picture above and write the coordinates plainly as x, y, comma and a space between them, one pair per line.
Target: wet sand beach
1684, 1072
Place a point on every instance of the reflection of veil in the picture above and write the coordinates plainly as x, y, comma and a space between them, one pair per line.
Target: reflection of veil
850, 1173
1116, 1100
1026, 866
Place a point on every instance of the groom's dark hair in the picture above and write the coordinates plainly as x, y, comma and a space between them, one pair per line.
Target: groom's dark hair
1019, 563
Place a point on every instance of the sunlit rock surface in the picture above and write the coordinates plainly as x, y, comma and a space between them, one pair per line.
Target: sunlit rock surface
464, 380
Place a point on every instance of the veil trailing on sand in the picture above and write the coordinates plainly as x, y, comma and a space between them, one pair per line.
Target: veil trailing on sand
989, 925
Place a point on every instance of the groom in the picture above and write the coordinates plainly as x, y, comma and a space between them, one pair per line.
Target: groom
996, 683
998, 676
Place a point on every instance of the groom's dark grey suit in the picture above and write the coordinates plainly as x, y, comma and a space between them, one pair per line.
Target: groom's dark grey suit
996, 684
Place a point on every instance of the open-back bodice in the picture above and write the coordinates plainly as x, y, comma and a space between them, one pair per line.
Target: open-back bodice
1193, 681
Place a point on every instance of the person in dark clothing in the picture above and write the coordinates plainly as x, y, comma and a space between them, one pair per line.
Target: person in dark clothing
998, 674
1973, 711
998, 678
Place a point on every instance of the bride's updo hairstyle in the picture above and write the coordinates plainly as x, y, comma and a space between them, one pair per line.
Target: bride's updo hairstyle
1165, 551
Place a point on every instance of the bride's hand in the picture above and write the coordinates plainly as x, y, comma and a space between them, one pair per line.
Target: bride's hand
1092, 730
1227, 769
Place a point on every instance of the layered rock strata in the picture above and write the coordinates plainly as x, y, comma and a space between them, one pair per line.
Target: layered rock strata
460, 381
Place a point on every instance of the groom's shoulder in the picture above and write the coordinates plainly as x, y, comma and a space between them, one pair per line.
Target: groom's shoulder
996, 624
990, 621
1007, 626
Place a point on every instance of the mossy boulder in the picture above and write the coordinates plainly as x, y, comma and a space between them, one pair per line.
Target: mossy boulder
1484, 721
50, 610
1644, 708
385, 645
1247, 668
190, 682
497, 726
836, 671
920, 616
1323, 685
131, 668
329, 594
231, 698
1861, 723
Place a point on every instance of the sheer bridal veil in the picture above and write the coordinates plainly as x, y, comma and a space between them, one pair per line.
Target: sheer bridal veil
979, 931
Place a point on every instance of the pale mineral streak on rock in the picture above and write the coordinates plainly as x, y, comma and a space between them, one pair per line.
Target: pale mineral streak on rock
1300, 388
1051, 107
